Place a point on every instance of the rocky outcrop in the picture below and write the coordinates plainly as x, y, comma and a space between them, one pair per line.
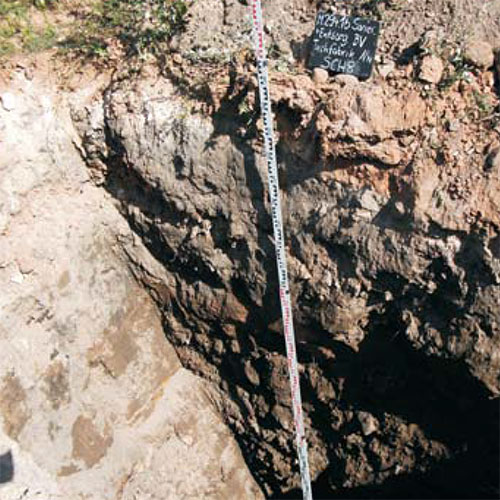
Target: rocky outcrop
94, 402
394, 293
393, 231
392, 223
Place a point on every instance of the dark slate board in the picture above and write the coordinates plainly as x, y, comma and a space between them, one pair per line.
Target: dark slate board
344, 44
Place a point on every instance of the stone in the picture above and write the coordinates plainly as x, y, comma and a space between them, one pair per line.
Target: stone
8, 101
388, 152
320, 76
234, 310
453, 125
13, 405
284, 46
251, 373
369, 424
369, 201
400, 208
347, 80
28, 74
492, 163
429, 40
386, 69
17, 277
431, 69
479, 53
26, 263
89, 443
175, 43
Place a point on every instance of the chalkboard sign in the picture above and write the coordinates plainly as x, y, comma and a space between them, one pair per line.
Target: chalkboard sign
344, 44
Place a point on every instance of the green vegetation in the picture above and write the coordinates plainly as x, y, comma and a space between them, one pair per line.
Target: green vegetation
461, 70
24, 26
140, 26
483, 103
375, 8
135, 27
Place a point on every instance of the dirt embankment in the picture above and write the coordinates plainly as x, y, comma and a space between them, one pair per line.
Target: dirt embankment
393, 228
94, 402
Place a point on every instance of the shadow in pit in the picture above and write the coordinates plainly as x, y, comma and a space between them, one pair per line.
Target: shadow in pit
451, 480
6, 467
227, 120
388, 375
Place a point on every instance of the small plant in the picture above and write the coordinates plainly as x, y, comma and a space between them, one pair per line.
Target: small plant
36, 41
483, 103
17, 30
462, 71
141, 26
138, 27
245, 112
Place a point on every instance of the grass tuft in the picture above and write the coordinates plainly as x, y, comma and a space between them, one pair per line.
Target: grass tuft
136, 27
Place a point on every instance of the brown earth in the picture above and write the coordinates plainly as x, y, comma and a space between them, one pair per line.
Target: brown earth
393, 228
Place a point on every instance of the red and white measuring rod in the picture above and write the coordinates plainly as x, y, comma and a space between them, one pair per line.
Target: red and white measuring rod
286, 306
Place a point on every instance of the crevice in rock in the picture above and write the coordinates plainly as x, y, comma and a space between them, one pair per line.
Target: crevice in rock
432, 419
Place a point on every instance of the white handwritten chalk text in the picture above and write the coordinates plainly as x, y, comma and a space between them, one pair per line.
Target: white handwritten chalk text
344, 44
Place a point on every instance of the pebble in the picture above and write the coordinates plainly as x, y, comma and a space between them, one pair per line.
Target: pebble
453, 125
17, 278
346, 79
386, 69
8, 101
320, 76
431, 69
400, 208
369, 424
175, 43
251, 373
368, 200
479, 53
284, 46
26, 264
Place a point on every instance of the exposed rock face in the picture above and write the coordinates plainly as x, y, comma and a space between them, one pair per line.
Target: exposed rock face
393, 223
395, 281
94, 402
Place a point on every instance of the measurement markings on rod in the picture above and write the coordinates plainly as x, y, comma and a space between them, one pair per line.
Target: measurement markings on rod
284, 288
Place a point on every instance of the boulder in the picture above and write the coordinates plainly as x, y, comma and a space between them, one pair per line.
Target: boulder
479, 53
431, 69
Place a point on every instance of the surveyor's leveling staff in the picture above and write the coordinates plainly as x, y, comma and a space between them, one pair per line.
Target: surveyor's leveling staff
286, 306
